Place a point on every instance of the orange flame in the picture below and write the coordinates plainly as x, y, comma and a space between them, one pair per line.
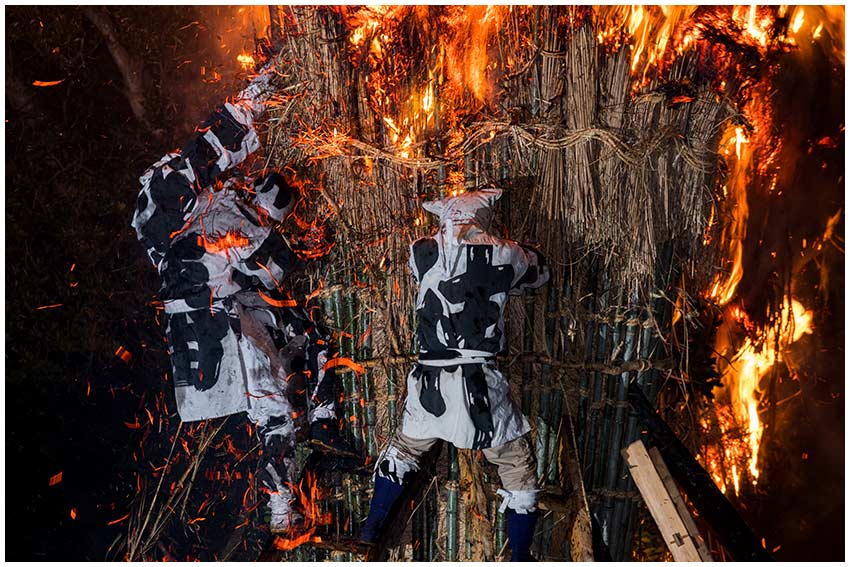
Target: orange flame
230, 239
810, 24
246, 61
742, 379
307, 496
471, 67
750, 153
653, 31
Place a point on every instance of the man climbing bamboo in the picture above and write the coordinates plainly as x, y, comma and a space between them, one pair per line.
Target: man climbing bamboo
236, 343
455, 391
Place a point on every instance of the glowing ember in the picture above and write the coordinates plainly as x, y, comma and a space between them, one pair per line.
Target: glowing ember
246, 61
225, 242
307, 500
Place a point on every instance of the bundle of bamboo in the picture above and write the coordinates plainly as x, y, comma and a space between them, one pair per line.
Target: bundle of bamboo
379, 109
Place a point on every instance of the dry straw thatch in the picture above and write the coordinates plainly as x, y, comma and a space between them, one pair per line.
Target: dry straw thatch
600, 176
378, 109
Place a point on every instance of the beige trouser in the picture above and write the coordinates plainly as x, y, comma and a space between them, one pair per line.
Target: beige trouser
514, 459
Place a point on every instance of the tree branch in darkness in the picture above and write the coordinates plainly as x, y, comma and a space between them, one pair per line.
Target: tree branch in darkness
130, 68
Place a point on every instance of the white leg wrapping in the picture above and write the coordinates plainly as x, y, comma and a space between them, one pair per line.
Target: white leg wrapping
394, 464
520, 501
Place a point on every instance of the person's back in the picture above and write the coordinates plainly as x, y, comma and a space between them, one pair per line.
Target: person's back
464, 281
455, 391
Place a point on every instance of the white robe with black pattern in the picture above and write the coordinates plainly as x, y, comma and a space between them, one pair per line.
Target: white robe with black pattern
456, 391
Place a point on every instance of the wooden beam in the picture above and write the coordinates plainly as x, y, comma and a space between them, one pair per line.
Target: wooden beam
710, 503
660, 503
676, 497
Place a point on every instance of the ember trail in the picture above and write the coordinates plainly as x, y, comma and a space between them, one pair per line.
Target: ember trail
468, 283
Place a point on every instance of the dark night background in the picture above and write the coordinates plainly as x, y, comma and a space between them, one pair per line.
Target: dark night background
74, 152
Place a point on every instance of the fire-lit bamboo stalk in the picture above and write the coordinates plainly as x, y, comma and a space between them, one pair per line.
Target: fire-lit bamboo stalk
501, 528
585, 376
614, 509
542, 441
418, 530
452, 490
600, 393
349, 349
369, 409
433, 524
528, 346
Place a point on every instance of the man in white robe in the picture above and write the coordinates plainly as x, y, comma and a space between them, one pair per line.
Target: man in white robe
455, 391
236, 342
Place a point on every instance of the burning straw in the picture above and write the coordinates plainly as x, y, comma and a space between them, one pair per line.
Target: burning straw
546, 108
604, 131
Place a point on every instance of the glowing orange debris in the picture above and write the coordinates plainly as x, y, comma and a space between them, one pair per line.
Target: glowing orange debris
118, 521
55, 479
278, 302
344, 361
123, 354
245, 60
231, 239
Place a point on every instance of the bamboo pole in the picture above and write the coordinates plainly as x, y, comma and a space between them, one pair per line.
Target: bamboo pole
433, 523
608, 393
585, 377
369, 410
527, 345
348, 348
452, 489
549, 416
501, 528
599, 353
615, 509
418, 537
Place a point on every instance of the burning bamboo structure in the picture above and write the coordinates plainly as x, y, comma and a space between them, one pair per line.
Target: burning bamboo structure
606, 135
382, 109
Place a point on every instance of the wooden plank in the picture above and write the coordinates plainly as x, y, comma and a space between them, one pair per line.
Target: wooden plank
679, 503
712, 506
660, 504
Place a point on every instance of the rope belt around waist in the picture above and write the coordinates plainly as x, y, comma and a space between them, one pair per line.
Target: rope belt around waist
454, 357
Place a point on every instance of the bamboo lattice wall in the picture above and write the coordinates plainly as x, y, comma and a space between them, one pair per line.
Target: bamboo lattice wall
615, 185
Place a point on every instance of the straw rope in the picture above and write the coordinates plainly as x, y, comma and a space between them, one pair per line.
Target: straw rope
324, 143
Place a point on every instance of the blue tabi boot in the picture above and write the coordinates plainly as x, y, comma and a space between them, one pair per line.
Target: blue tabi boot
520, 534
385, 494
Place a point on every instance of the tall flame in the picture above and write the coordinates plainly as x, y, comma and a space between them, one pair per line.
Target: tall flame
742, 378
752, 159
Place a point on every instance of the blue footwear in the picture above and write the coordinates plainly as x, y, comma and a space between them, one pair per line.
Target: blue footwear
385, 494
520, 534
